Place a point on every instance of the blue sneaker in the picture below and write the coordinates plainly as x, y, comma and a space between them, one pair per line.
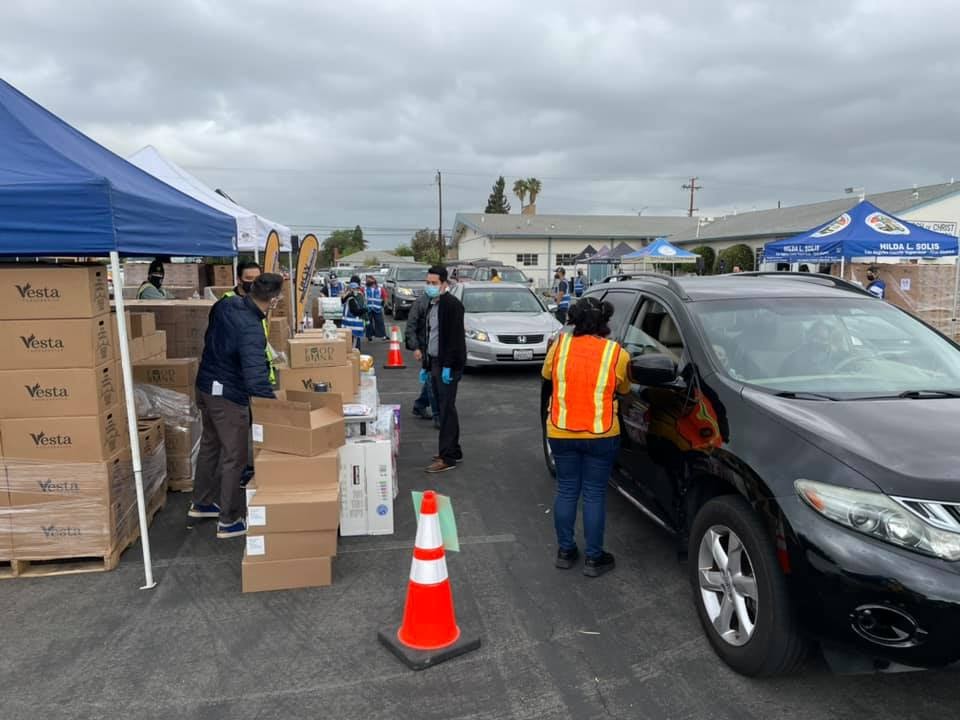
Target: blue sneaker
235, 529
204, 511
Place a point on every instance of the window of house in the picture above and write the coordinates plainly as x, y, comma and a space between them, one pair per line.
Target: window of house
528, 259
566, 258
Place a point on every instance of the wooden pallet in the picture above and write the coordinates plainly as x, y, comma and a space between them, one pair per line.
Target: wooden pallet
91, 564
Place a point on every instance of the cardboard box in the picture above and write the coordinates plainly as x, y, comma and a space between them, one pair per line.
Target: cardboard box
173, 373
276, 511
55, 343
367, 476
184, 321
220, 275
286, 574
279, 334
299, 423
90, 438
189, 276
66, 392
6, 535
33, 482
340, 379
280, 471
181, 437
314, 352
155, 343
150, 432
180, 467
290, 546
53, 291
142, 323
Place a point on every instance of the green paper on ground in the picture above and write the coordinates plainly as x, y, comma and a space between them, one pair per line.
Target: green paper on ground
448, 523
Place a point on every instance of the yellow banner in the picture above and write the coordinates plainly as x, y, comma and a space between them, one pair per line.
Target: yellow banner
306, 264
271, 253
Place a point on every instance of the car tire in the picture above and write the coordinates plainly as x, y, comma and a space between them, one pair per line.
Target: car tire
776, 645
387, 308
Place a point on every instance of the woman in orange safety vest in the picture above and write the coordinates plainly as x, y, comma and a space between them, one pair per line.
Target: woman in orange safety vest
586, 370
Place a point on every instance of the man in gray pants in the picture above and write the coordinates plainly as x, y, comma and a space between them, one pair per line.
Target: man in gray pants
233, 368
415, 338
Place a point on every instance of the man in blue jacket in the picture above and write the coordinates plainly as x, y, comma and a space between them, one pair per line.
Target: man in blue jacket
233, 368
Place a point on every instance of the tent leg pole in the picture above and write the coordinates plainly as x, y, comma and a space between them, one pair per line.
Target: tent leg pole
841, 267
256, 254
235, 265
127, 369
956, 288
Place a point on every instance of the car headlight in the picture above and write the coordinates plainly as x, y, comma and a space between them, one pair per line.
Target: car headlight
880, 517
407, 292
480, 335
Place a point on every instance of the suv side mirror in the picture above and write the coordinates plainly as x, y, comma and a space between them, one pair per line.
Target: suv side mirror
653, 370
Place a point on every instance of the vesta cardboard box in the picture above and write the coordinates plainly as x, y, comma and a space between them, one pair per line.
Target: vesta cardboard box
299, 423
66, 392
142, 323
31, 483
173, 373
53, 291
284, 472
55, 343
276, 511
286, 574
308, 351
291, 546
89, 438
339, 379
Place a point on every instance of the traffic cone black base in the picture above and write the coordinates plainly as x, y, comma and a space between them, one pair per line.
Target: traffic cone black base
422, 659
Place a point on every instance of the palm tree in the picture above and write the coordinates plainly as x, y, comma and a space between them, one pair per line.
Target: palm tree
520, 189
534, 187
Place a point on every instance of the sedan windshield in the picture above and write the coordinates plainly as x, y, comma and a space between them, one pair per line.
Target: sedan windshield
845, 349
411, 274
512, 276
492, 300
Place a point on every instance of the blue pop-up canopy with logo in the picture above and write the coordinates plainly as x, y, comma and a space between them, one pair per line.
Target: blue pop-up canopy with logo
662, 251
863, 231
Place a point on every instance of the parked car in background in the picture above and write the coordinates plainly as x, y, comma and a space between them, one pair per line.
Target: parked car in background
507, 274
798, 437
403, 285
506, 323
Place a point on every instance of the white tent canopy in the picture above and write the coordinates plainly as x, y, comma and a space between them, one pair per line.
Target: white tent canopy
252, 229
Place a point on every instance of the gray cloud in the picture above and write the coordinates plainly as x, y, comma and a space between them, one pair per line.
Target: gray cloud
322, 114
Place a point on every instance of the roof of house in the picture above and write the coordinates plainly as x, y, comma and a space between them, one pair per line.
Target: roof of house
625, 227
799, 218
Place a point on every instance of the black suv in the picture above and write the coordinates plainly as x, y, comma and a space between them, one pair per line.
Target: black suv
403, 285
800, 438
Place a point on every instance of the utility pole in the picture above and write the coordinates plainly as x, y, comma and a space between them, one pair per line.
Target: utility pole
692, 187
440, 214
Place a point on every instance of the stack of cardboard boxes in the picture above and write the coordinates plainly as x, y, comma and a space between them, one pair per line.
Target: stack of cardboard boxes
66, 486
184, 321
293, 507
312, 359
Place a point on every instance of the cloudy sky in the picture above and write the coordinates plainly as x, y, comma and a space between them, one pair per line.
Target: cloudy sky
329, 114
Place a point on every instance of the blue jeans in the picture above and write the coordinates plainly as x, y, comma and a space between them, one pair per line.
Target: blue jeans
375, 326
583, 468
426, 398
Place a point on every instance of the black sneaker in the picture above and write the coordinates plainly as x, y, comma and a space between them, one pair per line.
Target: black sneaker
422, 414
566, 558
595, 567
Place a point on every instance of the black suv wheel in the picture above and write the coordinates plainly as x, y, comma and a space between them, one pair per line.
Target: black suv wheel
740, 592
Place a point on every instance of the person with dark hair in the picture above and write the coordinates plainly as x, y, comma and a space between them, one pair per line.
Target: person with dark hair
354, 310
232, 370
334, 286
495, 276
415, 338
247, 272
875, 286
152, 287
561, 294
586, 370
373, 297
443, 365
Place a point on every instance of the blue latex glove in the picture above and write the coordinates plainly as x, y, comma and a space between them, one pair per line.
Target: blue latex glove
424, 376
446, 376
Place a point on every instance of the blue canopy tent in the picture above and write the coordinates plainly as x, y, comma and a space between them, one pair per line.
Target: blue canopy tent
660, 251
62, 194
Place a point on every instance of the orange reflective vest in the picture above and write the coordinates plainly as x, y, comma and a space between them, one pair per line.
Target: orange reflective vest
584, 382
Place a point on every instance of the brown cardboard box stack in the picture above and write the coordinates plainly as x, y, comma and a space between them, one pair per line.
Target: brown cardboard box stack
313, 359
182, 279
294, 511
220, 275
184, 321
65, 471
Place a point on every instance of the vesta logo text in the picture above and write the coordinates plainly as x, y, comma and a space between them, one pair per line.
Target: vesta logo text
41, 439
307, 384
58, 488
39, 392
52, 531
29, 292
34, 343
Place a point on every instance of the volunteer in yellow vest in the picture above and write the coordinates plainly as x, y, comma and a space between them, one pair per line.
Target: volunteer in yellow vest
247, 272
586, 370
152, 288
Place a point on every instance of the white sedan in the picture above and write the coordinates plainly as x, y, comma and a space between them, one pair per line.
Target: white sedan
505, 323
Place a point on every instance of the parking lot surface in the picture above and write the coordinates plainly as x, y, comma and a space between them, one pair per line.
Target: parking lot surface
555, 644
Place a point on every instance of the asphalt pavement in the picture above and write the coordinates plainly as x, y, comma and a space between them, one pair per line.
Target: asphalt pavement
555, 644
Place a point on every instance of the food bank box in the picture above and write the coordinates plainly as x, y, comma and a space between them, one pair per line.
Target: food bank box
313, 351
179, 374
299, 423
53, 291
41, 344
339, 379
60, 392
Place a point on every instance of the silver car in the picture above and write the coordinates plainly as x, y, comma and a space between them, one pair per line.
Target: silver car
506, 323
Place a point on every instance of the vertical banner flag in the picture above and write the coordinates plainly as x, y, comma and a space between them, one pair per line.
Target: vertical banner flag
271, 253
306, 264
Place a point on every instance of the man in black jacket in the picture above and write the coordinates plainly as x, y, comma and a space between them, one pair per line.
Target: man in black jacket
446, 354
415, 338
233, 368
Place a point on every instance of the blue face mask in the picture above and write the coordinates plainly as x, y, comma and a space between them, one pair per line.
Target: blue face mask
432, 291
355, 286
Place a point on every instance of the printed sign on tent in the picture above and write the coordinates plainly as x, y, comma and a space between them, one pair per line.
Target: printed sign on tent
271, 253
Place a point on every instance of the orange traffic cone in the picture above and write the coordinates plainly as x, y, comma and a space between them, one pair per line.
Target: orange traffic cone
394, 358
429, 633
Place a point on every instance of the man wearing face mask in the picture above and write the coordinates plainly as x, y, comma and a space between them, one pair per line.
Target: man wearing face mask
373, 295
354, 310
247, 273
152, 287
875, 286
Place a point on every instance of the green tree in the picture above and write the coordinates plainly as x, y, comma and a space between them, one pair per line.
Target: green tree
709, 258
425, 247
357, 240
497, 202
520, 190
740, 255
534, 187
403, 250
341, 243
